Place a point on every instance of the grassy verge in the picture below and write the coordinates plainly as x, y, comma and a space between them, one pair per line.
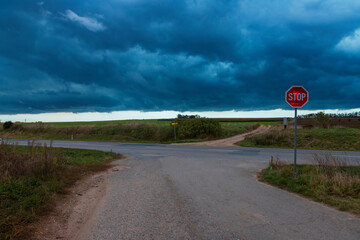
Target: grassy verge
343, 139
329, 181
30, 176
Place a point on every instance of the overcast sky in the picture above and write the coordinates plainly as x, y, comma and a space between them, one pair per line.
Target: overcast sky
191, 55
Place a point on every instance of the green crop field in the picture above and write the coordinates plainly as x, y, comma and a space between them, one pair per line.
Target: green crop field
106, 123
344, 139
137, 131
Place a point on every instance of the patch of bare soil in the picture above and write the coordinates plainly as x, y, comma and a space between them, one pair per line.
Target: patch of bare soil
232, 140
74, 212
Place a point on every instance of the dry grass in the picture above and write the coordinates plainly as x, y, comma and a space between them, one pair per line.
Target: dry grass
31, 175
36, 160
276, 163
330, 180
275, 136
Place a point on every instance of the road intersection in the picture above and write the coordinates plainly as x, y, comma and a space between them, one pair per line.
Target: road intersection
203, 192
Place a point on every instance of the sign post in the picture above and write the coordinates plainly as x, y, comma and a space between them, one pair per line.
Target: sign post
174, 124
285, 123
296, 97
295, 143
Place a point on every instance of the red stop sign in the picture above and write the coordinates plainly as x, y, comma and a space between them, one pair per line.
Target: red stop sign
297, 96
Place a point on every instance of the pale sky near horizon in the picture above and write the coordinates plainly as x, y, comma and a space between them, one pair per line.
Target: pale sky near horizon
130, 115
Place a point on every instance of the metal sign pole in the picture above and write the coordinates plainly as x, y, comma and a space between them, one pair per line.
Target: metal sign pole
175, 132
295, 129
296, 97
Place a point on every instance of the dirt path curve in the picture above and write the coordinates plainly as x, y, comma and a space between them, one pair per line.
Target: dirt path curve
231, 140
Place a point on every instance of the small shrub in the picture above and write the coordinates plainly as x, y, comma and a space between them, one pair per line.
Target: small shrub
322, 119
7, 125
199, 128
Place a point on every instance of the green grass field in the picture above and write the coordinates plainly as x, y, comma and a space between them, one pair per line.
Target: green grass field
223, 121
344, 139
136, 131
106, 123
337, 186
30, 176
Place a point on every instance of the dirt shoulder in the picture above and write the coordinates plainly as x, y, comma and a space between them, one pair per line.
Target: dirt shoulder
74, 212
231, 140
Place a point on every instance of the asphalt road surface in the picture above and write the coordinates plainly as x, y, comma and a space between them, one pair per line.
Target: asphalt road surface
201, 192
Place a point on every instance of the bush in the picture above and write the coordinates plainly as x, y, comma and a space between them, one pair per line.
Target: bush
199, 128
322, 119
7, 125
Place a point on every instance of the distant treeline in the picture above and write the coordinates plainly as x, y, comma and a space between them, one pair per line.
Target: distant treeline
179, 116
333, 115
183, 117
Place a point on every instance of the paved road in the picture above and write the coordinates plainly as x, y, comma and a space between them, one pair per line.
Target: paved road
200, 192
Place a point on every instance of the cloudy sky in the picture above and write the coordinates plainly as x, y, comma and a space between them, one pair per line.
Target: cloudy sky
164, 55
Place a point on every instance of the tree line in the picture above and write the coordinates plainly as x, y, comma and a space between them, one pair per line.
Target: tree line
333, 115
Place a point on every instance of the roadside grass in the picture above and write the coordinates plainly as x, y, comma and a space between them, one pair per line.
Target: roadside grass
147, 131
329, 181
31, 175
343, 139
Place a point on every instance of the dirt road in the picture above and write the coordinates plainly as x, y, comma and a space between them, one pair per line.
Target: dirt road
226, 142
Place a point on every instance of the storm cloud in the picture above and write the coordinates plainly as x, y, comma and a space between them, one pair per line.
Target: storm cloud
192, 55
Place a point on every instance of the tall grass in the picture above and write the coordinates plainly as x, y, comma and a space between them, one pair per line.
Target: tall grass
30, 175
329, 179
34, 161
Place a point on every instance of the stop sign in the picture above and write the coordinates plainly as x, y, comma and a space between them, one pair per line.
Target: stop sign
297, 96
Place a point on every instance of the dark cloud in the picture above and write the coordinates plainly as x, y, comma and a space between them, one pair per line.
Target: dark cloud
176, 55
